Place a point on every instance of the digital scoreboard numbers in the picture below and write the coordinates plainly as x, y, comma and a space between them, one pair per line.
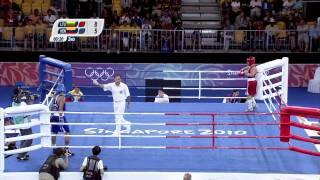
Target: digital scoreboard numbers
67, 29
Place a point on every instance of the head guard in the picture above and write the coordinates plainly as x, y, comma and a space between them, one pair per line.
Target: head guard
251, 60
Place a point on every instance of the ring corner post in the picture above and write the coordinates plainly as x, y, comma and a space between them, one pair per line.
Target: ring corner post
2, 142
284, 126
285, 70
67, 77
45, 128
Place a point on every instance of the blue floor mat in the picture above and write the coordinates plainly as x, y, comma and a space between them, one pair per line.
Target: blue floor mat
192, 160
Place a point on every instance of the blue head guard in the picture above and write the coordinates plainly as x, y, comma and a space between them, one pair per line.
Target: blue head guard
60, 89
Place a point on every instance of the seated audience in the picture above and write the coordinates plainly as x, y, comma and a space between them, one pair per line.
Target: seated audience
235, 93
76, 95
161, 97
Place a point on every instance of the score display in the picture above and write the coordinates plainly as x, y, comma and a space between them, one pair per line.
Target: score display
67, 29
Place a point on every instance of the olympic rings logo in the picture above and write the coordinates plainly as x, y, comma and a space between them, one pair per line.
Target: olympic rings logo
99, 73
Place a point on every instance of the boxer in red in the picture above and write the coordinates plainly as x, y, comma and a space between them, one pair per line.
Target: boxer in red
250, 71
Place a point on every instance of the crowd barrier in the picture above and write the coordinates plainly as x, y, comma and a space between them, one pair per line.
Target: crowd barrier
167, 41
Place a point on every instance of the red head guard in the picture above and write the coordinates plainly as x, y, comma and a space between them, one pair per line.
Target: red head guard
251, 60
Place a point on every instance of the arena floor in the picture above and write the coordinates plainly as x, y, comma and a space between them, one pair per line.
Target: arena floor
180, 160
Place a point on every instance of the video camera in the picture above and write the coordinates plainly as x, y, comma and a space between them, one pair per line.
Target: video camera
20, 95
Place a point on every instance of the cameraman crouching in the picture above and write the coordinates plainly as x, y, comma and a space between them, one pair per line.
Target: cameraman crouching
50, 170
19, 99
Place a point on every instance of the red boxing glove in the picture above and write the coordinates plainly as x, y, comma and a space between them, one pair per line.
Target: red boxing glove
241, 73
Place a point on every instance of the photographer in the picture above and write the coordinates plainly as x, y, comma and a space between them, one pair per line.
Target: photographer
92, 166
20, 99
51, 168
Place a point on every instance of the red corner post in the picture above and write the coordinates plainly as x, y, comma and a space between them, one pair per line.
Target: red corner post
284, 125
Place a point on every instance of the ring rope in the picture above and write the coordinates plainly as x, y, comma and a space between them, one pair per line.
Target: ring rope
25, 137
202, 79
168, 136
174, 147
168, 114
167, 124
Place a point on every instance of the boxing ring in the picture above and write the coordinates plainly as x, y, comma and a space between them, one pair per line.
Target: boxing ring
211, 140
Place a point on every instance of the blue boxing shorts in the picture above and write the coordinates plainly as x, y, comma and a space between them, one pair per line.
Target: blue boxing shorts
59, 128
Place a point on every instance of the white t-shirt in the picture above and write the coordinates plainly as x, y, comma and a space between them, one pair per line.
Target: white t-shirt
255, 4
119, 93
164, 99
50, 20
100, 163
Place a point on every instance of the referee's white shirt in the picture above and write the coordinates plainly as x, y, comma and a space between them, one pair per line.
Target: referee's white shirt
164, 99
119, 93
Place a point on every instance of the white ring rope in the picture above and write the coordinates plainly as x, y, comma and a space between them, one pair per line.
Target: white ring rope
22, 150
21, 126
25, 137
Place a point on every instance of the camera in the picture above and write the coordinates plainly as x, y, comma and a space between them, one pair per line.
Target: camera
20, 95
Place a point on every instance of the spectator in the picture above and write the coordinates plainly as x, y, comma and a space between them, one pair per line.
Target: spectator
314, 34
136, 19
35, 17
236, 6
146, 38
11, 19
49, 18
255, 6
187, 176
161, 97
228, 35
233, 98
235, 9
40, 33
298, 5
266, 6
29, 34
124, 30
125, 17
92, 166
241, 21
292, 32
178, 36
272, 31
135, 29
303, 38
156, 9
76, 94
196, 40
287, 6
126, 4
54, 164
166, 20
